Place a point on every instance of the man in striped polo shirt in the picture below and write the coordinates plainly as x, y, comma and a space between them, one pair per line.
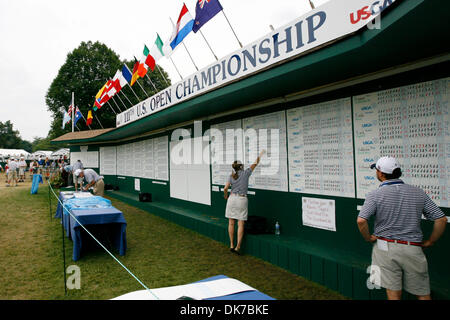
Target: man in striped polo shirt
397, 238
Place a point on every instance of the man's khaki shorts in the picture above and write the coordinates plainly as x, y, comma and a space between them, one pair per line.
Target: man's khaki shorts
12, 175
99, 188
402, 267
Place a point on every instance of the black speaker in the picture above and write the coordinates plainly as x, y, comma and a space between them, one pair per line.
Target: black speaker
256, 225
145, 197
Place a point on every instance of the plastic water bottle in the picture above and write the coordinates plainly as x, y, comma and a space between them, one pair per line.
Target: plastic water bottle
277, 228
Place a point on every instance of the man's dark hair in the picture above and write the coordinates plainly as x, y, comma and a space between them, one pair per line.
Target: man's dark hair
397, 173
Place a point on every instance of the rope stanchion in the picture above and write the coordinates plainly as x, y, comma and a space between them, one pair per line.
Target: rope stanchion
62, 239
117, 260
50, 203
64, 257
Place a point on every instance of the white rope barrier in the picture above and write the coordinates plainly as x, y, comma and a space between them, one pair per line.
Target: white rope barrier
117, 260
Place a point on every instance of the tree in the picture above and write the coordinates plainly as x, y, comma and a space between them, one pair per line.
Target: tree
43, 144
10, 138
86, 70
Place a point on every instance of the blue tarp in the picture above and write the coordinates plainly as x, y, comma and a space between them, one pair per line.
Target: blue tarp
91, 211
37, 179
94, 202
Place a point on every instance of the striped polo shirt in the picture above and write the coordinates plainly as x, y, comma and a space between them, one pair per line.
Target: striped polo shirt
398, 209
240, 185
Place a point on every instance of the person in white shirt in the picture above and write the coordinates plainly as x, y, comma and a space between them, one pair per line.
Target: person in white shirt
22, 169
12, 172
92, 179
78, 165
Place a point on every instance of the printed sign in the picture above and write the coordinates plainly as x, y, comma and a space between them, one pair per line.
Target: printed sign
319, 213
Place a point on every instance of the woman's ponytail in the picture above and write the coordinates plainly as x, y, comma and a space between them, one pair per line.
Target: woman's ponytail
237, 165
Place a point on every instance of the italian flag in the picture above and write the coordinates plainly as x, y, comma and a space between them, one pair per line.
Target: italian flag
147, 61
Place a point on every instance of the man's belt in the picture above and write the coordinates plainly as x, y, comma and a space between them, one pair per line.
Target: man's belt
419, 244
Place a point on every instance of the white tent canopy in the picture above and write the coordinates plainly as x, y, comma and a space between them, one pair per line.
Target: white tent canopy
5, 153
41, 153
61, 152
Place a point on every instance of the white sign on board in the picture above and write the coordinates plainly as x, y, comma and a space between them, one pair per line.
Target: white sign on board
137, 184
319, 213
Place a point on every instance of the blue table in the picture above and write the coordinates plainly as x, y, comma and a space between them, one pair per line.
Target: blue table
111, 217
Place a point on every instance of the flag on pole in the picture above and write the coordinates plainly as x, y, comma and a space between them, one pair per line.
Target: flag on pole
78, 115
135, 75
157, 50
182, 28
119, 81
205, 10
108, 92
66, 119
127, 73
147, 61
98, 96
89, 118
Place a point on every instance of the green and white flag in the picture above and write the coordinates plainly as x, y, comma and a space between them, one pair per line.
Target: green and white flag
157, 49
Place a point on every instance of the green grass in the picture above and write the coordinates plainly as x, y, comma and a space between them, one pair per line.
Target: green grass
159, 253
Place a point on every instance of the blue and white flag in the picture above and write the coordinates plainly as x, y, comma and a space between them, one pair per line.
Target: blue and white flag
127, 73
66, 119
78, 116
205, 10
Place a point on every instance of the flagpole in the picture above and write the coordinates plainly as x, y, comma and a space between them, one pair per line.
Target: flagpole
111, 107
165, 80
118, 106
176, 68
98, 121
189, 55
173, 25
231, 28
133, 92
156, 90
126, 97
73, 109
312, 4
85, 120
208, 45
142, 88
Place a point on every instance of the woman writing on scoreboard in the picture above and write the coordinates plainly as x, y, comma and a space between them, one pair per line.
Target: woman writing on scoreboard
237, 202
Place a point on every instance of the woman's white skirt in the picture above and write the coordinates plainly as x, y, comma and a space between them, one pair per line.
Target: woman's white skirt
237, 207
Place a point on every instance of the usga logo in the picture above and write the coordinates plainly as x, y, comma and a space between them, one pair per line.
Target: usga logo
368, 11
